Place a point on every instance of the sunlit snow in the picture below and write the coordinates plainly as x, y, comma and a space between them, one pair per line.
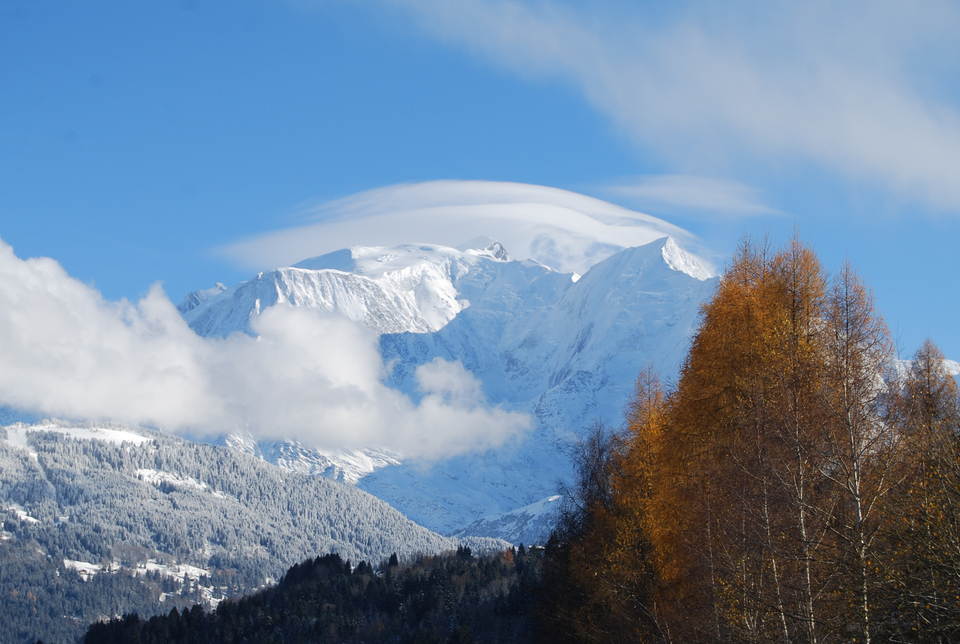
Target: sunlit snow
564, 350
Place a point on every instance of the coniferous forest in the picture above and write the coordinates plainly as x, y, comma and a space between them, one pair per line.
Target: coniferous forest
446, 598
799, 483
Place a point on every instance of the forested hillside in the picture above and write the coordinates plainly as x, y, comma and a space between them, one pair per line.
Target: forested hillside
451, 598
141, 521
799, 484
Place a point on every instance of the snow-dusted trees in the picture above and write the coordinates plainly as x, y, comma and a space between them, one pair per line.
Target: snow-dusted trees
170, 500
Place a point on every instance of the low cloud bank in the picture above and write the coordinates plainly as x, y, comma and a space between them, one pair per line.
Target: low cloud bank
310, 376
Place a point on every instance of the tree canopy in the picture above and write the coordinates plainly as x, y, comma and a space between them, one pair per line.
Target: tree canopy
798, 484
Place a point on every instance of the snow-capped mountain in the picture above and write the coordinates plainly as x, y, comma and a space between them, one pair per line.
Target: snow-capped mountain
405, 289
560, 347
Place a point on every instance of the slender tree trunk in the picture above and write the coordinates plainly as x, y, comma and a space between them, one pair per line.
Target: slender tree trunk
860, 536
773, 565
713, 570
810, 615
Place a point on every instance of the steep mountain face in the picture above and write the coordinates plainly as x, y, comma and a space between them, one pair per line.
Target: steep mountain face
195, 299
562, 348
405, 289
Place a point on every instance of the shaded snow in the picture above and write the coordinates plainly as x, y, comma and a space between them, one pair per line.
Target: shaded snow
529, 525
195, 299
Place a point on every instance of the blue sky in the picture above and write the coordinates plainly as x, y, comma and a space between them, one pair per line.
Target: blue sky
140, 140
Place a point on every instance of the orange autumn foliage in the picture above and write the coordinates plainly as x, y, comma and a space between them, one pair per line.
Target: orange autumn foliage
764, 497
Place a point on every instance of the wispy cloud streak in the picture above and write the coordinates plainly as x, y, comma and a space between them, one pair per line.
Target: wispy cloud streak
713, 197
864, 88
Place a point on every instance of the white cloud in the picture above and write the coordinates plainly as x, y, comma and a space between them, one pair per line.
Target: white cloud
67, 352
562, 229
64, 350
865, 87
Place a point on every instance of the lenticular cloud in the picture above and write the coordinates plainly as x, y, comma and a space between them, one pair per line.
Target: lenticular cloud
314, 377
564, 230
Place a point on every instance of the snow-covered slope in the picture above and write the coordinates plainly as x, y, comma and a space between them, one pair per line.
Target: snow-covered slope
530, 524
565, 350
195, 299
347, 465
200, 503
